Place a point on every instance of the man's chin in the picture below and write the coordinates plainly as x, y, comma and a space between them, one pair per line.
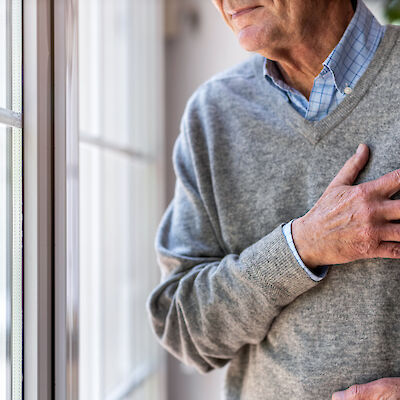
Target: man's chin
249, 39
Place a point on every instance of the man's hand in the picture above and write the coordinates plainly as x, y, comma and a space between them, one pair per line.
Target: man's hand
348, 222
382, 389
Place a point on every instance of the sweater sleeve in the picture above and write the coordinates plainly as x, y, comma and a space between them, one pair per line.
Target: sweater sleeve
209, 304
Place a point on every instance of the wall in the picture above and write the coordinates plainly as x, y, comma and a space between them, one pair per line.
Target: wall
191, 58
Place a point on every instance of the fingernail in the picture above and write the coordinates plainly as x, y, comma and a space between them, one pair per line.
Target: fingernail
338, 396
359, 148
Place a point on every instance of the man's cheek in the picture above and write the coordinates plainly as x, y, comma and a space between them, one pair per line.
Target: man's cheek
218, 4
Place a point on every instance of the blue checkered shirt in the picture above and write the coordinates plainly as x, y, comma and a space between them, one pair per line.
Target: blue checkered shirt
341, 71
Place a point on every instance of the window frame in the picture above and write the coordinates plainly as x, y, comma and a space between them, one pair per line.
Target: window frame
11, 124
66, 200
50, 211
38, 203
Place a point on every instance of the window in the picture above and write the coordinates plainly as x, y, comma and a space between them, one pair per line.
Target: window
119, 134
10, 200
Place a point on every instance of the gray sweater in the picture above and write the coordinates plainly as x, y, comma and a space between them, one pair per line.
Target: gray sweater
231, 290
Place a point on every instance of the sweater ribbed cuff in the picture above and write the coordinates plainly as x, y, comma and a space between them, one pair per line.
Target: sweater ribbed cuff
270, 264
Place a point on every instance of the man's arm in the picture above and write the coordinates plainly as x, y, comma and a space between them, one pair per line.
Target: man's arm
209, 304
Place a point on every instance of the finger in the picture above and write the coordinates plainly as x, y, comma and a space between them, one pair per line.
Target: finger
388, 250
388, 184
353, 166
356, 392
390, 210
390, 233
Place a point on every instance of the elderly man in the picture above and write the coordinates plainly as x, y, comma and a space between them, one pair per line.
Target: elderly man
275, 259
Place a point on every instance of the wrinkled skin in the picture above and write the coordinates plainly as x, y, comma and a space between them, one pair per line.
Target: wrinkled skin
298, 34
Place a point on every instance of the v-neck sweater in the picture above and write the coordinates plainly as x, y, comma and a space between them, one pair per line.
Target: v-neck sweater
231, 290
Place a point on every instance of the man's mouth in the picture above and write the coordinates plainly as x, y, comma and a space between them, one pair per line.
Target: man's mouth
242, 11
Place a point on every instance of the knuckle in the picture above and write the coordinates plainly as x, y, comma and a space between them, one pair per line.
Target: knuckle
395, 251
396, 175
361, 248
390, 251
367, 241
368, 234
359, 196
366, 208
361, 192
367, 212
355, 391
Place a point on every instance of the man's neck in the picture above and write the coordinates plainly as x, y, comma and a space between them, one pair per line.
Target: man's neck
300, 63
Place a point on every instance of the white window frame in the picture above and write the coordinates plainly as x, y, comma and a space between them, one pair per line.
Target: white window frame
38, 209
66, 200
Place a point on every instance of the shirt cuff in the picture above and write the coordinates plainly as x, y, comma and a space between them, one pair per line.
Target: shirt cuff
320, 272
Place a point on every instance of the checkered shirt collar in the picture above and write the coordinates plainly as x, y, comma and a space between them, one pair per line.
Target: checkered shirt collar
348, 58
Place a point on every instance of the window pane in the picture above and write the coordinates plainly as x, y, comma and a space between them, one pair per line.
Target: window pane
117, 228
121, 120
113, 36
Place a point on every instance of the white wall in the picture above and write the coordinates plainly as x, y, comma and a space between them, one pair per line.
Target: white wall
191, 58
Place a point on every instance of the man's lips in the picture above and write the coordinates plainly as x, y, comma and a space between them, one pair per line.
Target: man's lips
239, 12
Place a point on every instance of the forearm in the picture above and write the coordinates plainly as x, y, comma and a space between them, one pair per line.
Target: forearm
206, 312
